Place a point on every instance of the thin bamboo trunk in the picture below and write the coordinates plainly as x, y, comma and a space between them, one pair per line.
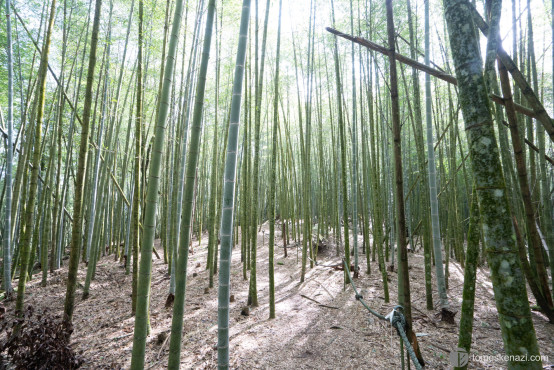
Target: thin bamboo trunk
92, 205
538, 278
431, 167
7, 243
468, 302
81, 172
253, 290
181, 264
227, 207
147, 245
273, 175
25, 241
342, 141
403, 274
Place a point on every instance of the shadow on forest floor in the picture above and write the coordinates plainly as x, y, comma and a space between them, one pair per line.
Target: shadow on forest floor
335, 332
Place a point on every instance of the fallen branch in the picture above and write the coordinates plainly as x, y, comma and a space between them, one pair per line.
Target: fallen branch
122, 336
162, 347
537, 112
338, 267
318, 303
401, 58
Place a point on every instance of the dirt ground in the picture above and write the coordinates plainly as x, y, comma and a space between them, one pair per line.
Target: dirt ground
318, 326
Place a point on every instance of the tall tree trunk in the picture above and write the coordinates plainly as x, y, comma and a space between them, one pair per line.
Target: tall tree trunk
403, 275
7, 243
76, 231
547, 206
354, 169
538, 277
420, 147
135, 217
468, 301
273, 174
145, 270
432, 173
91, 249
56, 257
181, 265
181, 169
342, 140
227, 207
29, 221
509, 288
253, 290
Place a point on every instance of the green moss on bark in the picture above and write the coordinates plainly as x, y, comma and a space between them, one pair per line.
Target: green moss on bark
508, 280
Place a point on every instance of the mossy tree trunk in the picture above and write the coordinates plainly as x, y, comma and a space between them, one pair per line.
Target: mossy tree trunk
508, 280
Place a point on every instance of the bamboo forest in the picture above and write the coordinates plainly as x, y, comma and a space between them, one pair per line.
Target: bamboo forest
277, 184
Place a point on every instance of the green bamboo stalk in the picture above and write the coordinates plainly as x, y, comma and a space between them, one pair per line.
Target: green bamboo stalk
81, 172
468, 302
214, 184
30, 206
253, 290
227, 207
403, 274
211, 212
538, 279
435, 223
57, 256
245, 224
273, 174
546, 205
145, 270
181, 265
135, 217
45, 239
354, 168
342, 140
307, 146
92, 206
420, 147
7, 242
543, 193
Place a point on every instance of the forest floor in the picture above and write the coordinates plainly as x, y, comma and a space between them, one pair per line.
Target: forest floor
318, 326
